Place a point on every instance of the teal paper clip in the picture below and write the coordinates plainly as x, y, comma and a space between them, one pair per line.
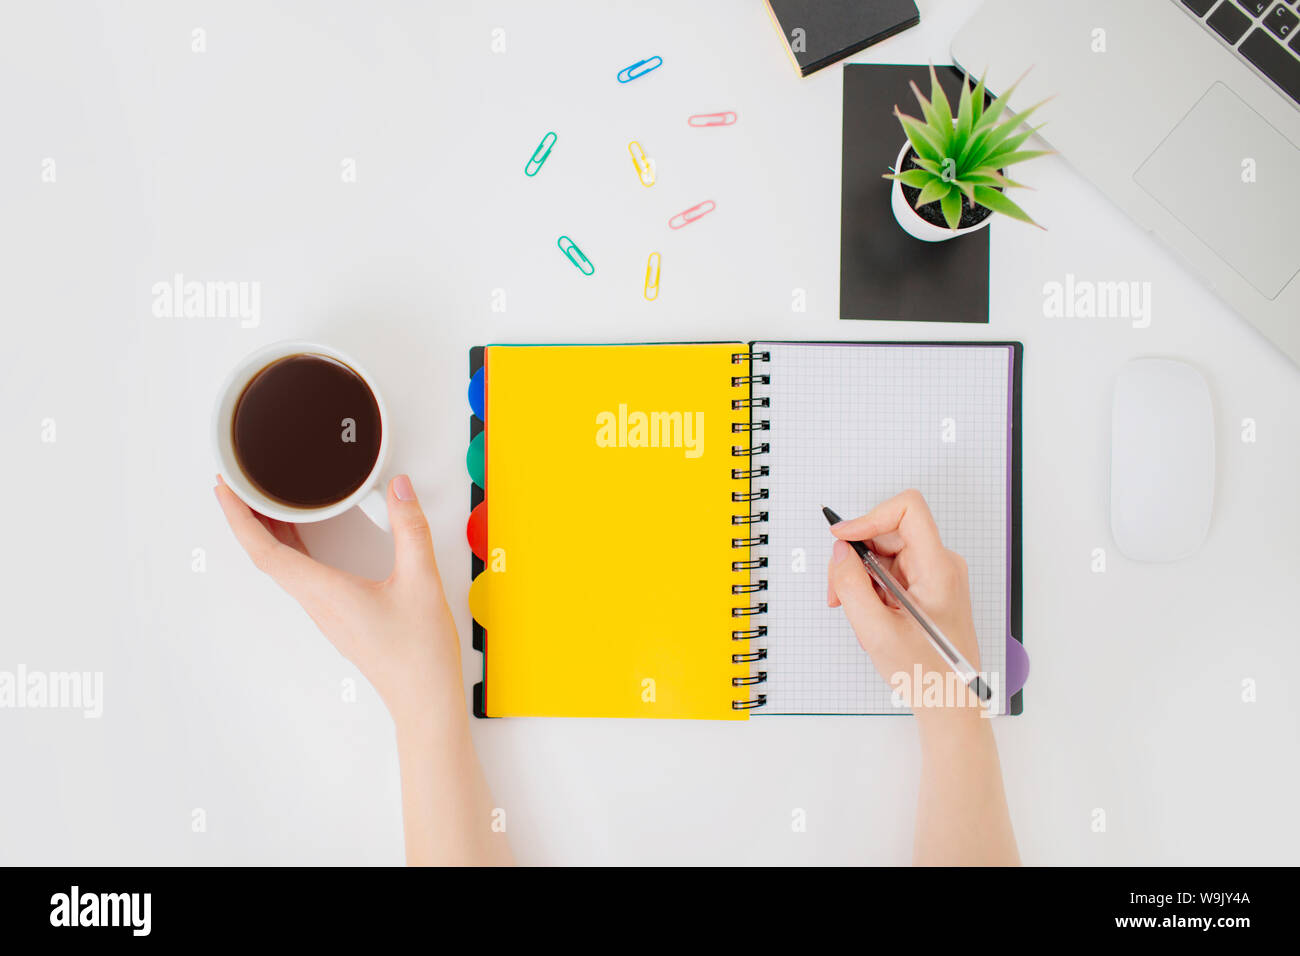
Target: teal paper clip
635, 70
574, 255
542, 151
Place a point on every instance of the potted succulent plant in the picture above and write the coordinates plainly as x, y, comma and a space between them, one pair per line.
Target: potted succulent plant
950, 175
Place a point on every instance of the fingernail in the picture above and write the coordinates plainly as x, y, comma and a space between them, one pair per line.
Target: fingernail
840, 550
402, 488
837, 525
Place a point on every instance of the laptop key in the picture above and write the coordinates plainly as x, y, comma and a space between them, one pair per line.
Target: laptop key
1228, 21
1199, 7
1255, 8
1271, 58
1281, 21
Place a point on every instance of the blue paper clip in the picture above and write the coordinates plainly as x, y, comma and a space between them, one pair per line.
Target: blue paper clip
634, 71
574, 255
540, 154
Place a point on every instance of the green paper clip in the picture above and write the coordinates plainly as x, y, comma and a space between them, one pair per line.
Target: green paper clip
540, 154
574, 255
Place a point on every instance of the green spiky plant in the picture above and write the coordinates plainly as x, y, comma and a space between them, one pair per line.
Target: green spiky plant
965, 156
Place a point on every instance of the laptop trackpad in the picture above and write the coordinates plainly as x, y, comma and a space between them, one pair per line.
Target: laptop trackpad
1230, 177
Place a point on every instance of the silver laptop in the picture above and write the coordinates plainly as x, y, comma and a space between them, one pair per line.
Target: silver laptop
1186, 113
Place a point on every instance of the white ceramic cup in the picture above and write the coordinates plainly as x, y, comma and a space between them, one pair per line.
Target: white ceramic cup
370, 497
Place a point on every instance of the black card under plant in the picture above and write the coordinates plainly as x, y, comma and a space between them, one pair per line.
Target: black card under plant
884, 272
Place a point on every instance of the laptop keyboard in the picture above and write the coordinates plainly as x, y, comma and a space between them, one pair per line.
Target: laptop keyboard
1262, 32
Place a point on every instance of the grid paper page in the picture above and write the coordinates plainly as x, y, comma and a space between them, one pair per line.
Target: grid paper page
853, 425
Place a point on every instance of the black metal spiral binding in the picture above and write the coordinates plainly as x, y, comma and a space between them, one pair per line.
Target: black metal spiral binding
748, 519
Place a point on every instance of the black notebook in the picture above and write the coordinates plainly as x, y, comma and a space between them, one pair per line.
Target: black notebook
884, 272
819, 32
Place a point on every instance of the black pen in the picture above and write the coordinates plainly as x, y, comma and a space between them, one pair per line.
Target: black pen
945, 647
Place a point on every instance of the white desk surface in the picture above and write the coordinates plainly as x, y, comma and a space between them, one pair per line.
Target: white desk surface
219, 692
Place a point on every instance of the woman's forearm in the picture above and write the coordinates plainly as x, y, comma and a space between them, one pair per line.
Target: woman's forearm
961, 817
447, 810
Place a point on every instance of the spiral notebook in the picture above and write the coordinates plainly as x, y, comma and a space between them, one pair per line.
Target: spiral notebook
646, 520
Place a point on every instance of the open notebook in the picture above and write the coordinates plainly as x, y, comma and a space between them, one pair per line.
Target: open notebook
646, 519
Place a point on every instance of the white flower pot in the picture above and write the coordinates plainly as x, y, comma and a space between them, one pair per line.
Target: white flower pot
911, 220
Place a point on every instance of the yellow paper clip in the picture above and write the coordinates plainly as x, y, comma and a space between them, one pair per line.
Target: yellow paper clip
652, 277
575, 255
644, 171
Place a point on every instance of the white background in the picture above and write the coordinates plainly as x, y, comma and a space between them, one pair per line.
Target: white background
220, 694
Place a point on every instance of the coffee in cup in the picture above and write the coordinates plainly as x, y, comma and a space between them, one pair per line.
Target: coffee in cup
300, 433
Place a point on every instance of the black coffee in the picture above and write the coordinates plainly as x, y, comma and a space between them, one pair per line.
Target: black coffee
306, 431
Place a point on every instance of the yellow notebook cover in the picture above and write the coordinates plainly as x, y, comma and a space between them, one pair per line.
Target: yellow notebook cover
607, 588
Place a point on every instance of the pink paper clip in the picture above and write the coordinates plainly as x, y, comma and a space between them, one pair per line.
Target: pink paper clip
688, 216
712, 119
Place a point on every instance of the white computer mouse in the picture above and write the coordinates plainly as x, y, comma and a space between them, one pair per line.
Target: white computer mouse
1161, 460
